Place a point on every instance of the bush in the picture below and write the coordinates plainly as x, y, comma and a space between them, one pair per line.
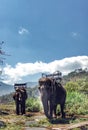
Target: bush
76, 103
33, 105
72, 86
85, 87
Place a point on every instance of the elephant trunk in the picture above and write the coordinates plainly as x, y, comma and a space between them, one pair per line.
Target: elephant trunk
46, 106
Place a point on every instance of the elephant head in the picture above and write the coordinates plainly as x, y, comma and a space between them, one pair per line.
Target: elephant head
46, 88
52, 94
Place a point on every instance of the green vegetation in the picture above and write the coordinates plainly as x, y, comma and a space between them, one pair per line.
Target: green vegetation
76, 84
85, 87
76, 103
81, 128
77, 100
12, 127
72, 86
33, 104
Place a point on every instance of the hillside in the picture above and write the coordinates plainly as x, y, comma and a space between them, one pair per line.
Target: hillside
31, 84
32, 87
8, 97
76, 75
5, 88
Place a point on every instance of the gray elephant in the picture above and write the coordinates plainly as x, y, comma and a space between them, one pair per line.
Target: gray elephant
20, 97
52, 94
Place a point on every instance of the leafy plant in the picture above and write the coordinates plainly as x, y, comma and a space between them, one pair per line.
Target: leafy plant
76, 103
33, 105
72, 86
85, 87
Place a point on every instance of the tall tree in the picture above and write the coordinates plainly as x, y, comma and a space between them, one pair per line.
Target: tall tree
2, 56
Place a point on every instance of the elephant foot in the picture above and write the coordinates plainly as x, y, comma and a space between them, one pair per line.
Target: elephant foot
48, 116
51, 117
54, 116
63, 115
59, 113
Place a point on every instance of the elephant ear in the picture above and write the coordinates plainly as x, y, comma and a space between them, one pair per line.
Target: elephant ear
45, 81
48, 82
41, 81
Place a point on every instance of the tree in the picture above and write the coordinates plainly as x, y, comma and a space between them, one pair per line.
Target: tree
2, 57
1, 53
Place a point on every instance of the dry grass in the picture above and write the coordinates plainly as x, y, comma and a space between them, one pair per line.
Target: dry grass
14, 122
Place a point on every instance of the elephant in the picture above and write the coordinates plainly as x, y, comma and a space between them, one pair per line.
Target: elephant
20, 97
52, 94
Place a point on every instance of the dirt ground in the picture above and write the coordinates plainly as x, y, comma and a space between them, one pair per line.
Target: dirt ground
37, 121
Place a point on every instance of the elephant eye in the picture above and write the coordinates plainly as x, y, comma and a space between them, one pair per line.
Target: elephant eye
41, 83
48, 83
39, 87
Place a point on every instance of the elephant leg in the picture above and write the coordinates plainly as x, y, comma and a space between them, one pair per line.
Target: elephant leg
51, 110
46, 107
62, 110
23, 107
55, 108
17, 108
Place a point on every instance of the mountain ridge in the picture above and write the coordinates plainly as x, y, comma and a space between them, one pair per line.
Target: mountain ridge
7, 89
72, 76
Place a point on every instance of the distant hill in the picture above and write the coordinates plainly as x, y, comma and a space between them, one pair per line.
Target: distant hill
76, 75
5, 88
31, 92
31, 84
7, 91
32, 87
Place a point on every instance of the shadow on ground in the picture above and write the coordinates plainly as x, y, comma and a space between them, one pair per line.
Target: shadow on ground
66, 120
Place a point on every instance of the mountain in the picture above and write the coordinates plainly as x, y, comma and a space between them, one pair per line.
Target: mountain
31, 84
72, 76
5, 88
78, 74
32, 87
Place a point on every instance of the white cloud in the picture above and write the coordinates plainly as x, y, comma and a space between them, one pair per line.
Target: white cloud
75, 34
22, 31
21, 70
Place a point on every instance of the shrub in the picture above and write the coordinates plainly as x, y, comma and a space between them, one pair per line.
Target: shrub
85, 87
33, 105
72, 86
76, 103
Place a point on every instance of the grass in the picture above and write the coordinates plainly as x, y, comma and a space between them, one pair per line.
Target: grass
33, 104
12, 127
81, 128
76, 105
13, 122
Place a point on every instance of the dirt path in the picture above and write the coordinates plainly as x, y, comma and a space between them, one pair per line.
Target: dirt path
38, 121
60, 124
71, 126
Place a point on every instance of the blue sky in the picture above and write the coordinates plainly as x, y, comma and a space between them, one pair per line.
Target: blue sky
42, 31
